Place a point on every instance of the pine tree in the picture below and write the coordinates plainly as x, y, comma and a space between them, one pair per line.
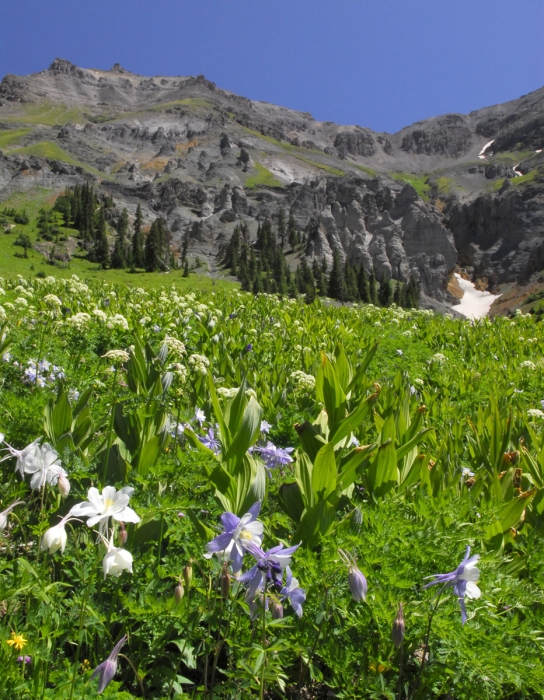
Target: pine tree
118, 258
281, 227
363, 286
350, 276
138, 240
372, 288
385, 293
292, 230
155, 246
337, 285
101, 247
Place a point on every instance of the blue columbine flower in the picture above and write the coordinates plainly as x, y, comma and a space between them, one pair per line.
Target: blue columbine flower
292, 592
463, 581
275, 457
239, 532
268, 569
265, 427
108, 668
210, 441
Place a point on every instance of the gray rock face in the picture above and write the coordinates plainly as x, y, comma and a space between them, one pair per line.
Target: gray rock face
205, 159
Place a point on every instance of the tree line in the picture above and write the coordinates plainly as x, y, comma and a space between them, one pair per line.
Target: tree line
87, 212
262, 267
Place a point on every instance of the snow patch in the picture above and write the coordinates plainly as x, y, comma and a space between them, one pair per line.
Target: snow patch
474, 304
539, 151
484, 149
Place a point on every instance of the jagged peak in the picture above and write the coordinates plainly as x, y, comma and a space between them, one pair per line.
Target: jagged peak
61, 65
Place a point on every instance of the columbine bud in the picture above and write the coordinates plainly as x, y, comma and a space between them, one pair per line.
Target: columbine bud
54, 539
63, 485
276, 609
179, 593
123, 535
188, 575
225, 582
398, 628
357, 581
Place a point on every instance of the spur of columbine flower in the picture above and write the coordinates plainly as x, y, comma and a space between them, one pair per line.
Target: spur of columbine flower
100, 508
268, 571
232, 543
356, 579
463, 580
108, 668
4, 514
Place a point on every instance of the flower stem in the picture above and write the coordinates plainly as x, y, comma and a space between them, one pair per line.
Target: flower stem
426, 642
81, 617
110, 428
263, 643
314, 645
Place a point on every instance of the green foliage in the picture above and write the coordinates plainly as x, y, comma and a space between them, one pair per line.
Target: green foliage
263, 177
405, 452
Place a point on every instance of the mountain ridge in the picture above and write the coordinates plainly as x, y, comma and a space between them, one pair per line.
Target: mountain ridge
206, 158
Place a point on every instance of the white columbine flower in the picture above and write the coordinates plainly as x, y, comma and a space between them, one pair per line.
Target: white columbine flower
111, 504
116, 560
54, 538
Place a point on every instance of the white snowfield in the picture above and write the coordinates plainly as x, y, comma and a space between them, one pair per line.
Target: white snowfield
484, 149
474, 304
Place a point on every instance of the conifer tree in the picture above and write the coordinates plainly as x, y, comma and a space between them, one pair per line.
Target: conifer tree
281, 227
101, 247
350, 276
385, 292
337, 285
118, 258
138, 240
372, 288
292, 230
363, 285
155, 246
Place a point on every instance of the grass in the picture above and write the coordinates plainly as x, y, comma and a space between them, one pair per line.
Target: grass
296, 151
263, 177
12, 136
366, 169
48, 149
419, 183
516, 181
444, 184
10, 265
47, 114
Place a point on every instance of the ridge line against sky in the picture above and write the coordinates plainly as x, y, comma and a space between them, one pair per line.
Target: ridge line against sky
382, 64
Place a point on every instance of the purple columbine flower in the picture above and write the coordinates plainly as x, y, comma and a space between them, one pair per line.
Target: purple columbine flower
108, 668
200, 416
24, 660
265, 427
248, 347
275, 457
356, 579
463, 580
268, 569
292, 592
210, 441
239, 532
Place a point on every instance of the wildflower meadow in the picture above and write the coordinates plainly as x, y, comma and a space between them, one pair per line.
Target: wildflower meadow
221, 495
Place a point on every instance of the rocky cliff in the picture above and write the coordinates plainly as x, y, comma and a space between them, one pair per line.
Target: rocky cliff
455, 189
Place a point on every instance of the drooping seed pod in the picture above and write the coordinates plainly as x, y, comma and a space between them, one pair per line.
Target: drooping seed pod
179, 592
398, 628
188, 575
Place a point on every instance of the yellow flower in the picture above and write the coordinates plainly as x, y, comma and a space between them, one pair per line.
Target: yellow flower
17, 641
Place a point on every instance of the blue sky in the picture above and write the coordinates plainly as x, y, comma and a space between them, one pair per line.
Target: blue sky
377, 63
